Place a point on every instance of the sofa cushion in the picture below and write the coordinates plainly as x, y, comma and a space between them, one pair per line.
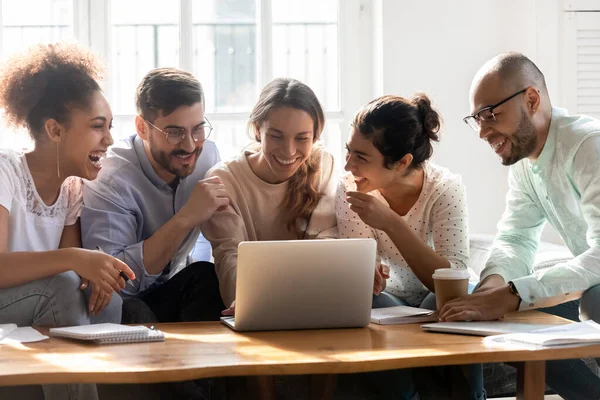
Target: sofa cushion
548, 254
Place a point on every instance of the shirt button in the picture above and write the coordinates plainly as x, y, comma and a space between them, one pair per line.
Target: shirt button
531, 305
531, 298
566, 294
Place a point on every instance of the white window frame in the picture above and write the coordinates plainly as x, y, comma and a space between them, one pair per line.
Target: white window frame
92, 27
349, 19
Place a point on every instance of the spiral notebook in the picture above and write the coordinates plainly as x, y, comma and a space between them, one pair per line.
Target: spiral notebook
109, 333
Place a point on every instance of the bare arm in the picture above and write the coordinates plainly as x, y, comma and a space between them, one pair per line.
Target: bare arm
208, 196
421, 258
18, 268
160, 248
31, 265
491, 282
71, 236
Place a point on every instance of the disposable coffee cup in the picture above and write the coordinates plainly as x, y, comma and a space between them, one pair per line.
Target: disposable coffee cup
449, 283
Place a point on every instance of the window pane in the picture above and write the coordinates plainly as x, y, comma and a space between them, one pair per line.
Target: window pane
26, 22
332, 140
145, 35
231, 137
225, 53
305, 46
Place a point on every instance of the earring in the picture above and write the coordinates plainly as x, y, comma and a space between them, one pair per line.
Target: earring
57, 160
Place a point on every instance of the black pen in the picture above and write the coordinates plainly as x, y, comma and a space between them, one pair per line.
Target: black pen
121, 273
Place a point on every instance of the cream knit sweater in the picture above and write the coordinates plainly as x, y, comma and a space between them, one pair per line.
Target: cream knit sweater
254, 214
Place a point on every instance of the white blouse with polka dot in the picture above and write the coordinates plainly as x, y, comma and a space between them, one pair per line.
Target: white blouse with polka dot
439, 218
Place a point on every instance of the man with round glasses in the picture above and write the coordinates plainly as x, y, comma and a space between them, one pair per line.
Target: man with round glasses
554, 161
150, 198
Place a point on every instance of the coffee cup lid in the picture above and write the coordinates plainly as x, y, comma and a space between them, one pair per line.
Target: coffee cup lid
451, 273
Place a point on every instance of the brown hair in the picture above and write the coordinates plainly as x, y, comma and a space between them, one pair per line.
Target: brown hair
163, 90
302, 194
399, 126
44, 82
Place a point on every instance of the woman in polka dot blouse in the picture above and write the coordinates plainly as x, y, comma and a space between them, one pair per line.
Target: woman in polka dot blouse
416, 210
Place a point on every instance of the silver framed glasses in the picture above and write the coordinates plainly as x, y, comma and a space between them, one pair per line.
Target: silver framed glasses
486, 114
176, 135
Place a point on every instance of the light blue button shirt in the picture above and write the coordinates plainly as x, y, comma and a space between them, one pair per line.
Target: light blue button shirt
562, 187
128, 202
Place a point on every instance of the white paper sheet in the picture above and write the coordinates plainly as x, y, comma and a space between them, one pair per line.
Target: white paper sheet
24, 334
587, 332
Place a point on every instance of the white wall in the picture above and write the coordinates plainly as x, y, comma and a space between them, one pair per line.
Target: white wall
436, 47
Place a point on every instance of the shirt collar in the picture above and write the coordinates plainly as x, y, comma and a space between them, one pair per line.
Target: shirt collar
138, 145
548, 151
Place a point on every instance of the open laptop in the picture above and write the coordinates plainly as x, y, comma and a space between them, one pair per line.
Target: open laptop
304, 284
483, 328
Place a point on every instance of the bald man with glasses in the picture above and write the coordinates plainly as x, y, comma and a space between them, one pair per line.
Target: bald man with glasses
150, 197
554, 177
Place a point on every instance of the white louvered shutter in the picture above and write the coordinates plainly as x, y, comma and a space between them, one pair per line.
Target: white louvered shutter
582, 63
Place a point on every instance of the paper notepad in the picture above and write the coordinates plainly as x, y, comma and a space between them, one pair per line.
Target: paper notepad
109, 333
587, 332
401, 315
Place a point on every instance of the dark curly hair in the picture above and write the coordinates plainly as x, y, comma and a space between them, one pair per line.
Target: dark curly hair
45, 82
399, 126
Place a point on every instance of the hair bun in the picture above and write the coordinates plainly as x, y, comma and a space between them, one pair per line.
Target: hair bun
430, 118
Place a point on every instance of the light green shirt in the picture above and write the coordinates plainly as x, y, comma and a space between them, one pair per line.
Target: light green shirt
562, 187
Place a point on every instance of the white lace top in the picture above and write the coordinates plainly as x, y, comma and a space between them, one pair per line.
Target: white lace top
33, 225
439, 218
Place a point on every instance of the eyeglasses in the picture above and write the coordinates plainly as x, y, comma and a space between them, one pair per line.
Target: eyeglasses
486, 114
175, 135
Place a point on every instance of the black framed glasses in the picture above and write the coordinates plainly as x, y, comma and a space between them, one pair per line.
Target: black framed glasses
175, 135
486, 114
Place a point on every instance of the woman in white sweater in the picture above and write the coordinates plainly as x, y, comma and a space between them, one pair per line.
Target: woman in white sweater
416, 210
283, 187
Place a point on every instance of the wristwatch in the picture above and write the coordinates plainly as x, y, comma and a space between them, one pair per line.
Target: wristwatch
513, 290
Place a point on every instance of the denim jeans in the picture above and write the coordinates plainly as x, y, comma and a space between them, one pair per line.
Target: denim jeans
53, 301
402, 386
572, 379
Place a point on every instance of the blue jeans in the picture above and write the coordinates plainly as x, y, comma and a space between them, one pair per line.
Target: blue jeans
54, 301
403, 386
572, 379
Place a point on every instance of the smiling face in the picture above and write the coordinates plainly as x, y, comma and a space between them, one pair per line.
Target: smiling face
366, 164
87, 138
512, 136
287, 137
168, 160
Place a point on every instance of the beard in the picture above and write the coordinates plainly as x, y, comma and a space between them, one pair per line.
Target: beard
164, 159
523, 141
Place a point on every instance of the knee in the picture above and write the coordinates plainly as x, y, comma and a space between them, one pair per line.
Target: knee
112, 312
429, 302
203, 270
67, 299
136, 311
589, 306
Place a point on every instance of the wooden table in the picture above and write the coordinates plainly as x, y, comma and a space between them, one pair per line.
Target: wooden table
197, 350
